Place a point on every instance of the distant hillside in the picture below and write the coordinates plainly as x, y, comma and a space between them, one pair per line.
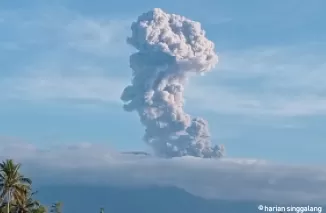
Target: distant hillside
88, 199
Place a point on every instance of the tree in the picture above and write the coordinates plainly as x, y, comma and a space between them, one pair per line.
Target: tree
102, 210
26, 203
40, 209
56, 207
4, 208
13, 184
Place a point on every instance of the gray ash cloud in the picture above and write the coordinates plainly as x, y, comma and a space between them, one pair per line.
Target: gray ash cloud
170, 48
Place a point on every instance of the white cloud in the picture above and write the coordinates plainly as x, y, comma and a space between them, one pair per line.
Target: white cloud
287, 81
60, 88
62, 29
283, 81
300, 66
226, 101
240, 179
64, 50
279, 81
99, 37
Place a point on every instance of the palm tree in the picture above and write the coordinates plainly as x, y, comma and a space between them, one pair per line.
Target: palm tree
3, 208
40, 209
56, 207
12, 183
26, 203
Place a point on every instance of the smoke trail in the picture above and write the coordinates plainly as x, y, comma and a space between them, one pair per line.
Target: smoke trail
169, 48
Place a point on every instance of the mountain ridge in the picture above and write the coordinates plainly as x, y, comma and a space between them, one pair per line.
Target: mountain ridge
151, 199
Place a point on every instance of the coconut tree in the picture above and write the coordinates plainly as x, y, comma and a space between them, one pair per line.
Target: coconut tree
13, 184
56, 207
25, 202
40, 209
3, 208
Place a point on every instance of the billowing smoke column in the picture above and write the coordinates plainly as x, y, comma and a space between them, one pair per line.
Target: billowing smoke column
170, 47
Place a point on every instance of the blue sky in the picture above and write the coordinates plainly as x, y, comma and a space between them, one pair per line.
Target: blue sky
65, 64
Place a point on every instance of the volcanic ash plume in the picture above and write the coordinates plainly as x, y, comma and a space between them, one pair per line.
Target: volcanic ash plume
170, 47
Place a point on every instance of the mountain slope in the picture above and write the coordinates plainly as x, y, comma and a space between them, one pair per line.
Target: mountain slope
86, 199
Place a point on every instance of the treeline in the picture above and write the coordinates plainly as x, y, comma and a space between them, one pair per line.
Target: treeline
16, 192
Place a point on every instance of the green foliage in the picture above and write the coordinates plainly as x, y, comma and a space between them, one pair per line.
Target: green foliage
4, 208
56, 207
26, 203
40, 209
13, 185
16, 194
